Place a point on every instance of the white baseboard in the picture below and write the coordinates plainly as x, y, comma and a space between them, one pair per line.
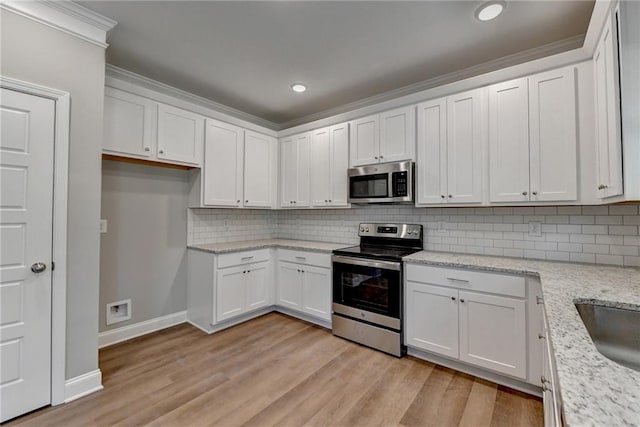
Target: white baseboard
82, 385
115, 336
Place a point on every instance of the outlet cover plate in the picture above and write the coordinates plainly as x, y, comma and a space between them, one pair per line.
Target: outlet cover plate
535, 229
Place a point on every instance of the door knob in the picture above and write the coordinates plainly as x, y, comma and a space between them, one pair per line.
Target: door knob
38, 267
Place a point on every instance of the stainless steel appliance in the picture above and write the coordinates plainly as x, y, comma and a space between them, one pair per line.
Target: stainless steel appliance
368, 286
382, 183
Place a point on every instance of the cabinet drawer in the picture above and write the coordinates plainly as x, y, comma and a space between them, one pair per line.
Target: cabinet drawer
308, 258
469, 280
245, 257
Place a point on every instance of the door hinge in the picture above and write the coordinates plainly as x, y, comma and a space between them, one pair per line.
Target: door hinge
53, 265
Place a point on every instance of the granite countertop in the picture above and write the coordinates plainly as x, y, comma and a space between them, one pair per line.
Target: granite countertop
220, 248
594, 389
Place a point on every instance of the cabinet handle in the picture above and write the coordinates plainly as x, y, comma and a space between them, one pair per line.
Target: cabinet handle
302, 271
246, 201
541, 336
295, 201
450, 196
453, 298
161, 151
326, 201
301, 257
535, 193
453, 279
524, 193
539, 300
381, 156
329, 200
375, 157
237, 201
147, 149
443, 196
462, 301
246, 258
244, 272
248, 271
299, 271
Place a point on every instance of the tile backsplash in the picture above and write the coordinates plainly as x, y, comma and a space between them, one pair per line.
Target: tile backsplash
590, 234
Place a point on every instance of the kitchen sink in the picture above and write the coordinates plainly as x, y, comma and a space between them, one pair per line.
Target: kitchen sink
614, 331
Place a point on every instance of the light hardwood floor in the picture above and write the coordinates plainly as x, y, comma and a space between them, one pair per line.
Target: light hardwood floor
280, 371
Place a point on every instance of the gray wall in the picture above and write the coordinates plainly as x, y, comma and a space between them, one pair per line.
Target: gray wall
37, 53
143, 255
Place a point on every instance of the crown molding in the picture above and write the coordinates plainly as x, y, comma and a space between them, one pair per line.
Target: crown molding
486, 67
114, 74
65, 16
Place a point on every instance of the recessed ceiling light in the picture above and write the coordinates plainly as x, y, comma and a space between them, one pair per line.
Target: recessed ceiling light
490, 10
298, 87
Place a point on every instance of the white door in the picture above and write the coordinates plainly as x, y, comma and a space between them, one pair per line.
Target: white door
339, 187
321, 167
127, 124
223, 150
398, 134
258, 170
432, 318
364, 143
289, 286
464, 147
230, 292
509, 141
492, 333
288, 172
553, 139
432, 152
316, 291
26, 200
303, 147
180, 135
257, 286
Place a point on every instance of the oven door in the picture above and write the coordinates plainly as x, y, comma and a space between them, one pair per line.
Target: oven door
369, 285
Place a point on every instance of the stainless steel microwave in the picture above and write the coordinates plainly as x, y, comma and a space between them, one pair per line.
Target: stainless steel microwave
382, 183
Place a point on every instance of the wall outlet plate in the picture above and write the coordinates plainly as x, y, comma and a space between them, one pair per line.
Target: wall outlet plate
441, 227
535, 229
118, 311
103, 226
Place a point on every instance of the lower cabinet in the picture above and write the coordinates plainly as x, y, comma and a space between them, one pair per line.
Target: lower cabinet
241, 289
457, 314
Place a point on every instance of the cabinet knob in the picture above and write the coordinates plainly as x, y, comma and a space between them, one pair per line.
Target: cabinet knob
375, 157
244, 272
237, 201
524, 193
298, 270
147, 149
329, 200
442, 196
161, 151
453, 298
461, 300
246, 201
541, 336
295, 201
535, 193
381, 156
450, 196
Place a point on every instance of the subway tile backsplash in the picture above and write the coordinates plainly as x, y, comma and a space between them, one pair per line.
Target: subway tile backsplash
589, 234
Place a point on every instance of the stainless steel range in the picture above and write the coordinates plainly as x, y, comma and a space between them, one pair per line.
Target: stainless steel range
368, 286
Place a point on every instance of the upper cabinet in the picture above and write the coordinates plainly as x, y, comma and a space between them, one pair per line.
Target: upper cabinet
532, 138
385, 137
239, 167
330, 154
138, 127
295, 170
607, 104
450, 149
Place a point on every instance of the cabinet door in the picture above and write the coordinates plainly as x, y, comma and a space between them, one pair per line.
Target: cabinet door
509, 141
316, 291
398, 134
364, 144
180, 135
320, 167
553, 144
303, 146
288, 172
127, 123
432, 318
230, 292
493, 333
259, 168
289, 285
607, 100
432, 152
464, 146
339, 187
223, 164
257, 286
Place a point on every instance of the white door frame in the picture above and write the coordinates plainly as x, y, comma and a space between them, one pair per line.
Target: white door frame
59, 255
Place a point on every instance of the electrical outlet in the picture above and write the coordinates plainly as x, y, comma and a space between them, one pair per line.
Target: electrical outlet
535, 229
103, 226
226, 224
118, 311
441, 227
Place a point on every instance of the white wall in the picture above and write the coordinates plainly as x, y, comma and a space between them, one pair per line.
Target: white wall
143, 255
39, 54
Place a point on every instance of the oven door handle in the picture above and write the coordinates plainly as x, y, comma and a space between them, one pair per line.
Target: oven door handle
387, 265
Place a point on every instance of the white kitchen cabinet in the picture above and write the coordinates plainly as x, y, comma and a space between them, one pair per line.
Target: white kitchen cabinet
138, 127
607, 105
316, 291
386, 137
180, 135
222, 175
259, 170
257, 286
532, 138
551, 399
330, 154
128, 124
289, 289
295, 171
450, 149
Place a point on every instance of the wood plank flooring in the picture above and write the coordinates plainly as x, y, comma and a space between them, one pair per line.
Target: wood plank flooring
280, 371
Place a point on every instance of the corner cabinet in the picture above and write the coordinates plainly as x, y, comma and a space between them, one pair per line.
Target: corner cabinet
451, 149
607, 105
141, 128
385, 137
330, 154
533, 138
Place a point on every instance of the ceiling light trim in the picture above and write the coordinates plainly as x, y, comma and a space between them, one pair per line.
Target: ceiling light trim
488, 12
299, 87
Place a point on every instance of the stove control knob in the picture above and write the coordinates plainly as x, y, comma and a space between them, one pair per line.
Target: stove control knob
362, 229
366, 229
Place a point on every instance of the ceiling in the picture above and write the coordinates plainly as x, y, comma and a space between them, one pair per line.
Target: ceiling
246, 54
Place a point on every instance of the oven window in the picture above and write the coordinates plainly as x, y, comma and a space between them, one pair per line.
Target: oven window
368, 288
369, 186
